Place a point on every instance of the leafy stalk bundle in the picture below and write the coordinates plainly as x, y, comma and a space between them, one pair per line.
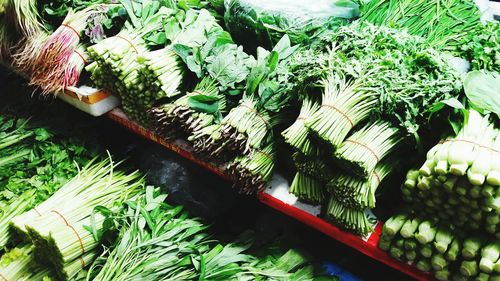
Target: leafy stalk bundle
250, 125
57, 227
253, 172
360, 153
160, 242
355, 192
307, 188
445, 253
458, 183
222, 66
312, 162
443, 23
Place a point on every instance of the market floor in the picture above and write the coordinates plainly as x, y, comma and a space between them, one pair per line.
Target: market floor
202, 193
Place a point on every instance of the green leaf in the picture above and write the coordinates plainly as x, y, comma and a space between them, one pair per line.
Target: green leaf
203, 103
482, 90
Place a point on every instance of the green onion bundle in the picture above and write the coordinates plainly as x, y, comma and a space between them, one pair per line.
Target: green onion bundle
58, 226
163, 73
360, 153
253, 172
443, 23
355, 192
18, 264
307, 189
344, 105
351, 219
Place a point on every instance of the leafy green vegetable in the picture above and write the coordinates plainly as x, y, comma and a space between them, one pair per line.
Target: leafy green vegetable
482, 90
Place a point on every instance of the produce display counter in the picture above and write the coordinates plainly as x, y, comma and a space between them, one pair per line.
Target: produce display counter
277, 197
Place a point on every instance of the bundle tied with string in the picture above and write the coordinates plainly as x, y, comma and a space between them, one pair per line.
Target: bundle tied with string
58, 227
253, 172
344, 105
360, 153
62, 57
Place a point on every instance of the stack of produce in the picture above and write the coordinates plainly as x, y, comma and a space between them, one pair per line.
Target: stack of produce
432, 247
443, 23
58, 227
33, 165
365, 113
459, 182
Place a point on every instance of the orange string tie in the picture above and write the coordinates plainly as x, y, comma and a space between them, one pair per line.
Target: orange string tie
339, 111
76, 234
258, 114
377, 176
73, 29
365, 146
81, 56
128, 41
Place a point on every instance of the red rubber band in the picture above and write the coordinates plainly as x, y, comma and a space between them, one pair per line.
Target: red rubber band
75, 232
257, 113
74, 30
81, 56
339, 111
365, 146
128, 41
265, 154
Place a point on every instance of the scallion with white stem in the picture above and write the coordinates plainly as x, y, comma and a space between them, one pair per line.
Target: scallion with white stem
481, 164
493, 177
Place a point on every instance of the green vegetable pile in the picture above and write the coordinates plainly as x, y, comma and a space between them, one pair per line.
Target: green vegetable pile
434, 248
34, 163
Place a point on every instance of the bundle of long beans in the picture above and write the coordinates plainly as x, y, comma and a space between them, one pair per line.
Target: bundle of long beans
351, 219
312, 162
297, 135
458, 184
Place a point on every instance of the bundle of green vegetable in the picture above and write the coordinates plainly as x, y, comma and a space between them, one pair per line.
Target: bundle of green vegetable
263, 23
58, 227
443, 23
117, 59
436, 249
33, 165
251, 124
160, 242
222, 67
307, 188
458, 183
18, 264
482, 47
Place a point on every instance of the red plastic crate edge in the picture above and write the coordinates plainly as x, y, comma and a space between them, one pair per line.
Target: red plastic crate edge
369, 248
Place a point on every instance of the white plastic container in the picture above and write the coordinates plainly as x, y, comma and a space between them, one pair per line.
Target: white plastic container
90, 100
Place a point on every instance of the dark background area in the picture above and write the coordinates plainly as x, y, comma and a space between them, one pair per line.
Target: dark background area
202, 193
